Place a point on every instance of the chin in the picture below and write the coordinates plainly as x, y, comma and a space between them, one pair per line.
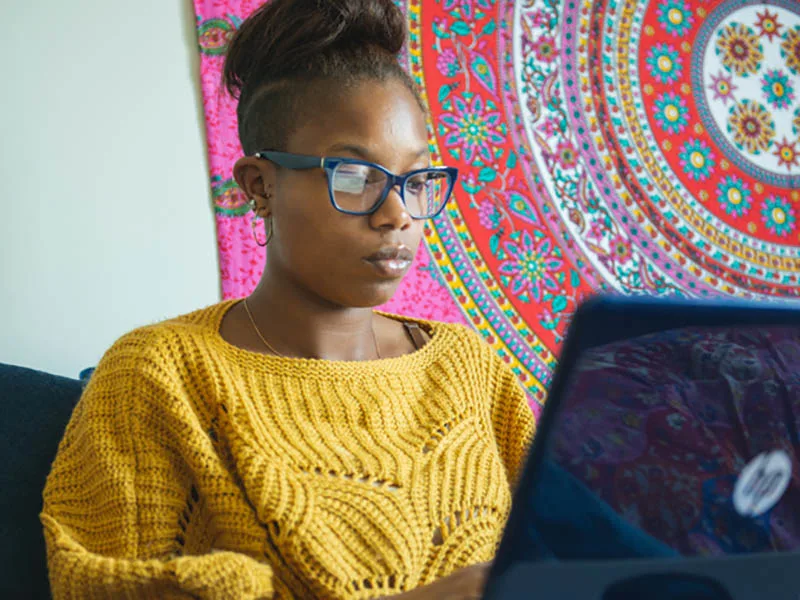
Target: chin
370, 296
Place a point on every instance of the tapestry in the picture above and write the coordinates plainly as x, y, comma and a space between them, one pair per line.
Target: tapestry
619, 145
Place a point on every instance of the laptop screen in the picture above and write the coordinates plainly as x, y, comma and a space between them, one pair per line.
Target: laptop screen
677, 443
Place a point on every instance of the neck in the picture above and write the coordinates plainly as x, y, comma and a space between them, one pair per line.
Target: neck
298, 323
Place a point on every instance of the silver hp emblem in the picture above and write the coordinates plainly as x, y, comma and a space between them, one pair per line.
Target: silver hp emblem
762, 483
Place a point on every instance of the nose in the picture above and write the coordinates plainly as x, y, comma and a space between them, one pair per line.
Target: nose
392, 214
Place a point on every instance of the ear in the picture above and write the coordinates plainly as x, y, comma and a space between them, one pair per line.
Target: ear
256, 178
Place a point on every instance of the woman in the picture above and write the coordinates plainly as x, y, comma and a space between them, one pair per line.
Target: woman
296, 443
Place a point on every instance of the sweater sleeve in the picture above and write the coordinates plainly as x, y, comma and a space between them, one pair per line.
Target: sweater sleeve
122, 515
513, 420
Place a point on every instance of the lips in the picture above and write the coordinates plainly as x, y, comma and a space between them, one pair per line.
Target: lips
391, 261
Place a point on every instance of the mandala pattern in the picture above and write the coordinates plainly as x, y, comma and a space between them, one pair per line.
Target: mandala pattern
665, 63
734, 196
697, 160
787, 154
751, 127
722, 88
530, 268
768, 25
672, 114
790, 49
470, 128
739, 49
750, 94
778, 215
777, 89
213, 35
628, 145
675, 17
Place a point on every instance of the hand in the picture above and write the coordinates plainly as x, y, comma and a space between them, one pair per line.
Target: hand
465, 584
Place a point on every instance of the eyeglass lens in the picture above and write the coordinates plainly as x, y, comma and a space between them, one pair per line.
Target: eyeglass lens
358, 188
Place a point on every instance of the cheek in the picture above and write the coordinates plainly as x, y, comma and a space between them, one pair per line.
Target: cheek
417, 233
313, 236
317, 243
303, 210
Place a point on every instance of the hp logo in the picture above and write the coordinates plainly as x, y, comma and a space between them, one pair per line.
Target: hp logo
762, 483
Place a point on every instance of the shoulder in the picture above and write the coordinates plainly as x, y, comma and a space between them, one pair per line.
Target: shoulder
201, 323
459, 344
162, 347
465, 339
157, 372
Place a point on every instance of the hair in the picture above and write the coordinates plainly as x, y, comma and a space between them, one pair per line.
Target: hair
288, 49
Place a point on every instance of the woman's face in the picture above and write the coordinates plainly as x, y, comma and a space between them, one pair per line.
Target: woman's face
330, 254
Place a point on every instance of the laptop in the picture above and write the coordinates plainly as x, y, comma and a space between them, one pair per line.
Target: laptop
667, 459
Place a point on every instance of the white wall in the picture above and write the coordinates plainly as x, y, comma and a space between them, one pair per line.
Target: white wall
106, 216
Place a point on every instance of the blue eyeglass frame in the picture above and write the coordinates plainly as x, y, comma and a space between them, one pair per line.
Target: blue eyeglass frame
301, 162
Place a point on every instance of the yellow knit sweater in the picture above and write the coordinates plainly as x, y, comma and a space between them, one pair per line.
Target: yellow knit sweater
194, 469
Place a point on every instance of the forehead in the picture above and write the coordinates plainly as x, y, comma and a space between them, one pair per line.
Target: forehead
384, 118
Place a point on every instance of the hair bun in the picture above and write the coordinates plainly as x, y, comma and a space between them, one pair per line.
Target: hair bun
361, 22
284, 38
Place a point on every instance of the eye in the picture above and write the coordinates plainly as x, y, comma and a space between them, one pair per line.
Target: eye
417, 183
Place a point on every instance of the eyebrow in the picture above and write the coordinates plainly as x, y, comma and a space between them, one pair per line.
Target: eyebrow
364, 154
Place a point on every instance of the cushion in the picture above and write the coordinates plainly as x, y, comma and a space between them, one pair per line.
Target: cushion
34, 410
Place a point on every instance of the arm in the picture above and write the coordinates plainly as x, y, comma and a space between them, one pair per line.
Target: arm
512, 418
122, 514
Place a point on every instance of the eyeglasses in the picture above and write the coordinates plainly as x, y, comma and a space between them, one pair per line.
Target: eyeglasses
358, 187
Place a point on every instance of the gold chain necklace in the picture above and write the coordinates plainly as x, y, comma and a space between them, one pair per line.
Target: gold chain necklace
274, 351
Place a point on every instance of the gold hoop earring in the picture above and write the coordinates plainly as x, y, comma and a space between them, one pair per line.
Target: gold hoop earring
271, 230
254, 225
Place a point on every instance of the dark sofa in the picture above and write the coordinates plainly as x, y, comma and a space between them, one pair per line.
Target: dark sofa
34, 410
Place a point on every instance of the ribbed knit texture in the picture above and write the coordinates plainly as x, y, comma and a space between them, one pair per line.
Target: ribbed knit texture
195, 469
